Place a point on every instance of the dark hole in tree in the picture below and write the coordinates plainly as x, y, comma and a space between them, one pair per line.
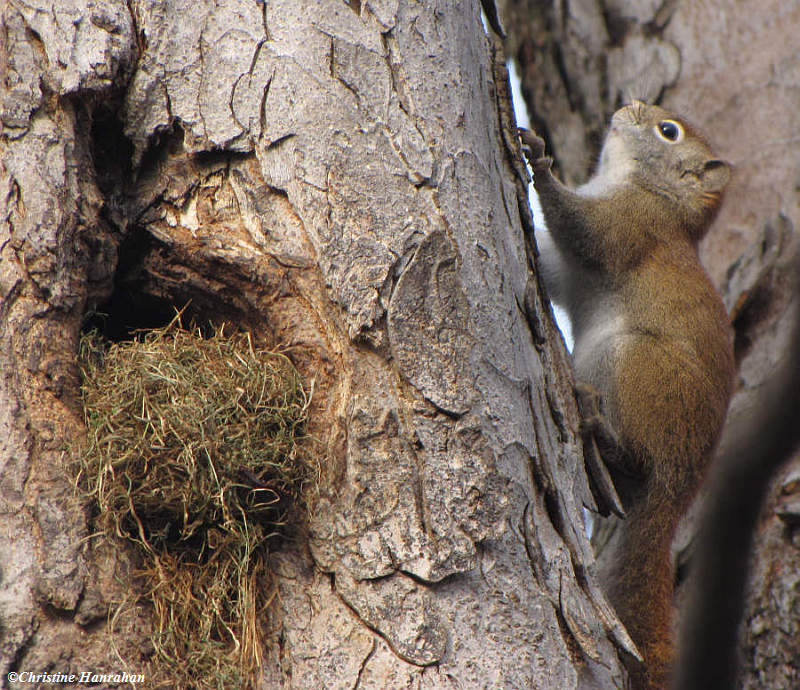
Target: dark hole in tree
130, 308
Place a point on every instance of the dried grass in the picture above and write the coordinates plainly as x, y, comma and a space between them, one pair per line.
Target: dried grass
194, 453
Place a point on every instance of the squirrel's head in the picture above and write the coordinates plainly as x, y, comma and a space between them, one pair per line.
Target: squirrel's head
663, 154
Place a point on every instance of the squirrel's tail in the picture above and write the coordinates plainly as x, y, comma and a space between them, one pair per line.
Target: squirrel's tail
638, 577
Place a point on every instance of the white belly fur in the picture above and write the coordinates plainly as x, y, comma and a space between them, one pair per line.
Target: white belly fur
599, 337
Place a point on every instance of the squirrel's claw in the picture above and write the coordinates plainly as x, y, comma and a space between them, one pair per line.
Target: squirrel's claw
601, 447
533, 147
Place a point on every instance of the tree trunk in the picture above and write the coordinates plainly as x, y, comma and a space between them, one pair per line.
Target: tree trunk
343, 180
732, 68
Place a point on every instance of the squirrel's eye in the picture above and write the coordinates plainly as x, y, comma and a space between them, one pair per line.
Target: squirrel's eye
669, 130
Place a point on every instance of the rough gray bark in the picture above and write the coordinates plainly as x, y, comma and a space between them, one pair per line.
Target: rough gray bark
341, 179
50, 261
731, 68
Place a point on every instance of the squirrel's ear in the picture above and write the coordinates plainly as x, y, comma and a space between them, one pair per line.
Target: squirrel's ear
715, 176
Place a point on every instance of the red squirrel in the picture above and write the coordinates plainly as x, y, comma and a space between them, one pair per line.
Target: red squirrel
652, 338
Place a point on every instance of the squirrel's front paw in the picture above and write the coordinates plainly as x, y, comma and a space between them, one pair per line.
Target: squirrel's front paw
533, 148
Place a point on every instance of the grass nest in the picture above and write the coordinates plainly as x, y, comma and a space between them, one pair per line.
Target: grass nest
195, 452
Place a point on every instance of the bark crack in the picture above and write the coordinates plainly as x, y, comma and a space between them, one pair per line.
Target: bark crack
364, 663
